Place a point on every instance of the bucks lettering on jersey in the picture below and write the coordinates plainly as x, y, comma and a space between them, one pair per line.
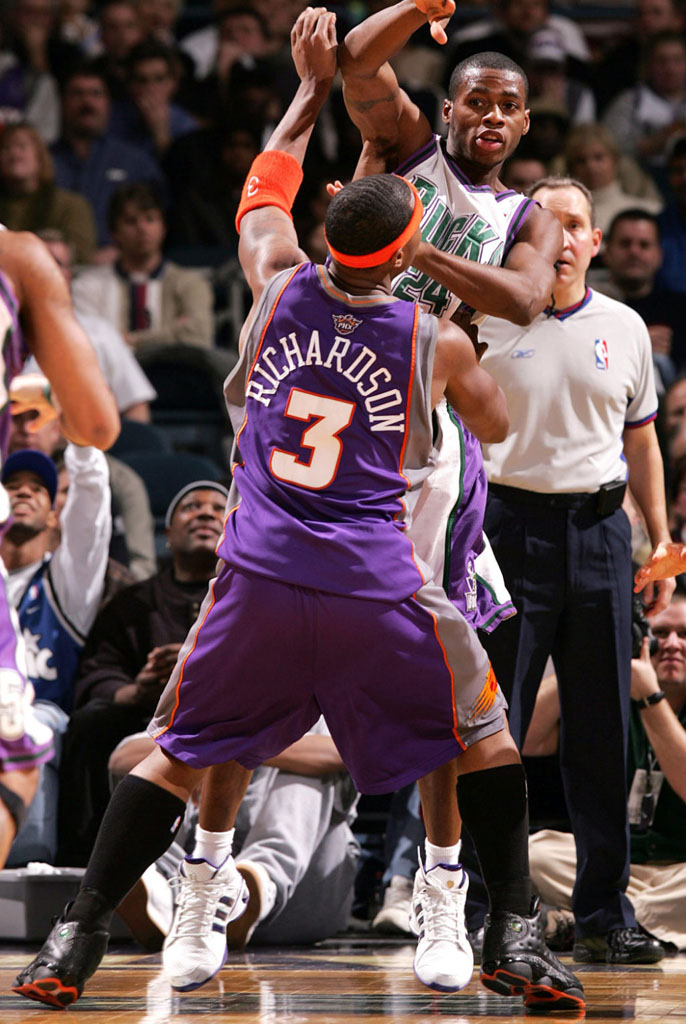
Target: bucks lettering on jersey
459, 218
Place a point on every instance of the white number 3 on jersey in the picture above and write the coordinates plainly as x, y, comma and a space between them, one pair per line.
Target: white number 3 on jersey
332, 416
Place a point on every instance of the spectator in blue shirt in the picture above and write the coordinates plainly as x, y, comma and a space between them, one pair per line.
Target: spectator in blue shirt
149, 119
88, 159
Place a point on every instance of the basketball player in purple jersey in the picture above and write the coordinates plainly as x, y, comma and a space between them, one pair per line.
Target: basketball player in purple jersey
36, 317
320, 604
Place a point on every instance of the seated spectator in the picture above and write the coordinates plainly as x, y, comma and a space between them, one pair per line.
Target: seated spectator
158, 24
620, 67
149, 119
676, 501
132, 525
673, 220
237, 32
29, 198
644, 118
206, 172
546, 65
129, 654
593, 156
547, 131
77, 27
149, 299
656, 772
673, 423
633, 256
241, 67
33, 34
158, 20
27, 94
56, 594
88, 159
520, 172
511, 29
120, 31
293, 844
132, 390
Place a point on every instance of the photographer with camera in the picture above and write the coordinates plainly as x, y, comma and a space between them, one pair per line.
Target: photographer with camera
656, 774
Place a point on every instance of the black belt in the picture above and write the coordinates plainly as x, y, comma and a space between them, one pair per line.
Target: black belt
603, 501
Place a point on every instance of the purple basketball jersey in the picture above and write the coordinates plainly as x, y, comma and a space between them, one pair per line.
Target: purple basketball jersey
13, 356
331, 406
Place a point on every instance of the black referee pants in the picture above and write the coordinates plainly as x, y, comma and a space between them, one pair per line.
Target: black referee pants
569, 573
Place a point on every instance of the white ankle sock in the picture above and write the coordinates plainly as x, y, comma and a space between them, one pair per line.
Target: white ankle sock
435, 855
213, 846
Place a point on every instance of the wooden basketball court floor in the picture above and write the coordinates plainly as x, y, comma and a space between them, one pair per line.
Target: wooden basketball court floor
343, 981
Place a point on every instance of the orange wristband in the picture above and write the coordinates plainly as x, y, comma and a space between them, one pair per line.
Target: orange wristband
273, 180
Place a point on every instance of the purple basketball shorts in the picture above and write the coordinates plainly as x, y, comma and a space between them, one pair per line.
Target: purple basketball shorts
404, 687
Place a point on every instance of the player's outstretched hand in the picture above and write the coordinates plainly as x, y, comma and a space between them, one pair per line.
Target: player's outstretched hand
665, 561
313, 44
30, 392
334, 187
438, 14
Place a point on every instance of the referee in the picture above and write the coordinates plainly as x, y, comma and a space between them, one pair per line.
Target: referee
581, 396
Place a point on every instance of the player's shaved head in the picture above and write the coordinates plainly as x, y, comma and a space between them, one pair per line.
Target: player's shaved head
369, 214
486, 61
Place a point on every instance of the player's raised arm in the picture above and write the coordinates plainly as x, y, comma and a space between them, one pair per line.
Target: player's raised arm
470, 390
518, 290
268, 242
87, 408
392, 126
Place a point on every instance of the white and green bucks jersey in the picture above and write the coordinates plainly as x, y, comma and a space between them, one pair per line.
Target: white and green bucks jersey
461, 218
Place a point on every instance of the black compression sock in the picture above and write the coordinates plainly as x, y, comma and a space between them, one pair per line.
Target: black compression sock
494, 809
140, 822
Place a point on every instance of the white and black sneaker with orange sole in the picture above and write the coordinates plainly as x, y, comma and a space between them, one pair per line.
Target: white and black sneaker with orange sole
69, 956
516, 962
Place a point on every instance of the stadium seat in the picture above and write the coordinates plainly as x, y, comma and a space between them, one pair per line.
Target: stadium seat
136, 436
190, 408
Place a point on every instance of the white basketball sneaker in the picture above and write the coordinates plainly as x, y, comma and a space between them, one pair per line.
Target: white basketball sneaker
444, 958
394, 916
208, 898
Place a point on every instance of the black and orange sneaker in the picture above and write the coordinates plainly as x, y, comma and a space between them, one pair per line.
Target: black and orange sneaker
70, 955
517, 962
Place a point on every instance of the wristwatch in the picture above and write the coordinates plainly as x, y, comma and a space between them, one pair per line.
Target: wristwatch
652, 698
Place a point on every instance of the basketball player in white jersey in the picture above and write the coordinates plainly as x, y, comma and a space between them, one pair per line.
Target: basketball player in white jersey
485, 250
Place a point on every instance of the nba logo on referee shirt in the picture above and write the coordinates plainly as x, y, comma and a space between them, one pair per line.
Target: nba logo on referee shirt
602, 359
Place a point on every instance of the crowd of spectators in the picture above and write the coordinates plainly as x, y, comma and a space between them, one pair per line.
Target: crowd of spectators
126, 131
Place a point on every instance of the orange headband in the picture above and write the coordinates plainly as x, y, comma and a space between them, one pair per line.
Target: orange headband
375, 259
